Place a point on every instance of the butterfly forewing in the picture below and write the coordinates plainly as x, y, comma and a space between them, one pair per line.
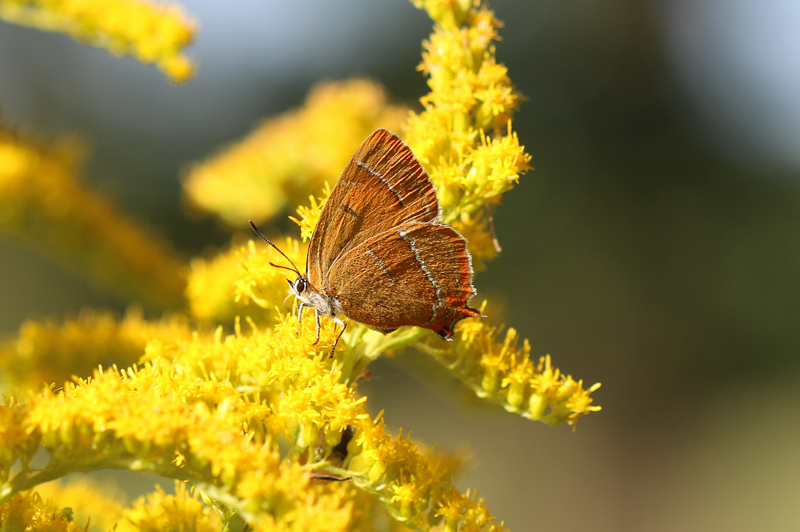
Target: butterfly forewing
414, 274
382, 186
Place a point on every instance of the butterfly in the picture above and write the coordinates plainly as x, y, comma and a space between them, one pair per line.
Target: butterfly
380, 254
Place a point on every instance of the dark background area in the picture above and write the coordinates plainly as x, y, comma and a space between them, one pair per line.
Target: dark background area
654, 248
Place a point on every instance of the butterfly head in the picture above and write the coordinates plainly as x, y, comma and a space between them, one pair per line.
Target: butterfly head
300, 288
299, 285
310, 297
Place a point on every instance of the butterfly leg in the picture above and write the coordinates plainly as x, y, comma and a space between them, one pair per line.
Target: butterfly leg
316, 316
344, 326
300, 308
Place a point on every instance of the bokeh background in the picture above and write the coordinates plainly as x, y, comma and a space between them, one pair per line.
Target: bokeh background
655, 248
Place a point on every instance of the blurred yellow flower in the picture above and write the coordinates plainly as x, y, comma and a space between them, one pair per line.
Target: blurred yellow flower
44, 202
28, 512
150, 32
51, 352
100, 504
182, 512
291, 156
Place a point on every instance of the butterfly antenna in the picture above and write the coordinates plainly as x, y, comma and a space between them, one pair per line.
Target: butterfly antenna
268, 241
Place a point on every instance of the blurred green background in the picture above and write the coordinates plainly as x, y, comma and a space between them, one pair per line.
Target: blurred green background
654, 249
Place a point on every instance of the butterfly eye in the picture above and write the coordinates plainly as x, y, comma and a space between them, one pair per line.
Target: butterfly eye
300, 285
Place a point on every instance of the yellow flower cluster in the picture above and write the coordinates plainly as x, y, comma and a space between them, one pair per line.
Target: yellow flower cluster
158, 421
28, 512
503, 373
152, 33
264, 423
261, 282
214, 411
289, 157
308, 215
16, 443
51, 352
209, 287
471, 97
100, 503
43, 201
221, 288
183, 511
463, 137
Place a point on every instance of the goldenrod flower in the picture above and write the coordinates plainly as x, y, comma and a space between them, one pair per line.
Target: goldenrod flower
43, 201
51, 352
308, 215
503, 373
289, 157
100, 503
223, 287
150, 32
210, 286
463, 137
183, 511
212, 411
16, 443
263, 422
28, 512
58, 506
258, 280
465, 141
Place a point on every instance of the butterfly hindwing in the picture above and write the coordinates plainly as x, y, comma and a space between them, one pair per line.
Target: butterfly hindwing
414, 274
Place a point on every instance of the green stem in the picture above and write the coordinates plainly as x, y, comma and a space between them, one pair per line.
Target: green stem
59, 468
235, 524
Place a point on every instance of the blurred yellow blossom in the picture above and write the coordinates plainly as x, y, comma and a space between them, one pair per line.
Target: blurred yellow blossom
182, 512
222, 287
46, 352
102, 506
28, 512
99, 503
147, 31
291, 156
44, 202
209, 287
16, 443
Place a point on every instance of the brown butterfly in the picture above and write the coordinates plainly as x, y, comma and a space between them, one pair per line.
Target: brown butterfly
380, 254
